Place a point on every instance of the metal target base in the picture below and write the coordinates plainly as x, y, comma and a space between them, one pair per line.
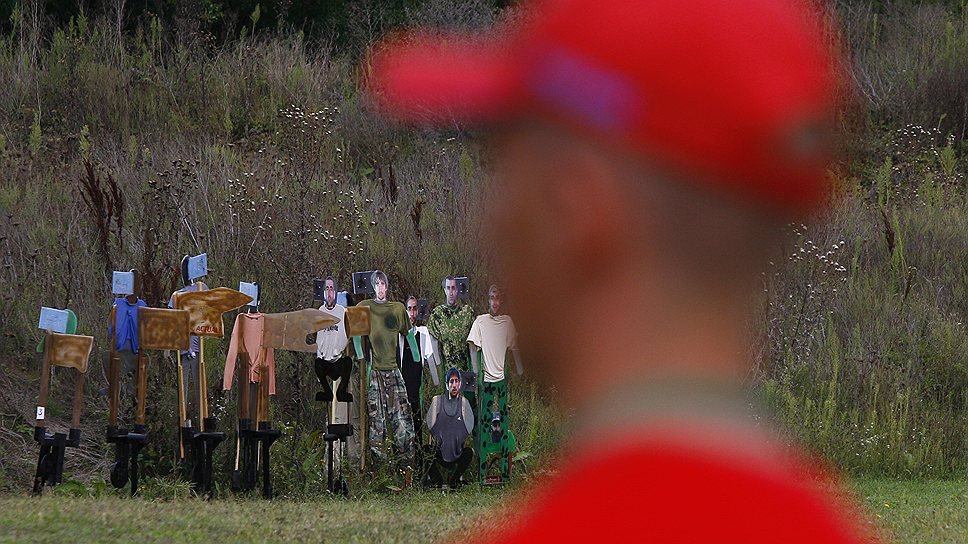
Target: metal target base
50, 460
128, 447
336, 433
203, 446
255, 446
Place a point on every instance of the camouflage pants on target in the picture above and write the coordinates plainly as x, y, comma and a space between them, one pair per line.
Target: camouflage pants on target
494, 399
390, 416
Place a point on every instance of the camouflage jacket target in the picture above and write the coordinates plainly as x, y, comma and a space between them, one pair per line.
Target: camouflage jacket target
450, 326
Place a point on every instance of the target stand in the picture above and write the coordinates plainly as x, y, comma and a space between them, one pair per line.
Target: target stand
338, 430
64, 350
158, 329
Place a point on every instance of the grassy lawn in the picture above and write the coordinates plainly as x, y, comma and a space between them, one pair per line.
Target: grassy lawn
411, 517
926, 511
914, 511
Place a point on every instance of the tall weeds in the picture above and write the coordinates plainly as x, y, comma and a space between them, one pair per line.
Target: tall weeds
866, 324
260, 153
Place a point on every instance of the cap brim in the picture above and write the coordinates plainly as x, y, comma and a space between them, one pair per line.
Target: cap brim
433, 79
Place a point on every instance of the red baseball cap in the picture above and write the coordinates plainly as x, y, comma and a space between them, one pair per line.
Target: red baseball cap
739, 94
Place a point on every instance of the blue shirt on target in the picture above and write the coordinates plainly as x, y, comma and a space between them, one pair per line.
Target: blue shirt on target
127, 322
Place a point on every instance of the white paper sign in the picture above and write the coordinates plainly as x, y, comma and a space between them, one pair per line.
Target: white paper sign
341, 298
40, 412
122, 283
53, 319
197, 266
250, 289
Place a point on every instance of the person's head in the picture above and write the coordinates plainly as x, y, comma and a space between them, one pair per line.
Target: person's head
453, 382
449, 285
412, 307
380, 285
329, 291
494, 299
646, 155
637, 235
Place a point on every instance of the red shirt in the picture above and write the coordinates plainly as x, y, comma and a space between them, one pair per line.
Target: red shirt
666, 489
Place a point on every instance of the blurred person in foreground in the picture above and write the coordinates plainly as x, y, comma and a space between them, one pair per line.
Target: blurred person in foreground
652, 150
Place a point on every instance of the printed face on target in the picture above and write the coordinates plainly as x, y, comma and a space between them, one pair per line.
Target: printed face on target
454, 385
450, 291
494, 301
329, 293
380, 287
412, 309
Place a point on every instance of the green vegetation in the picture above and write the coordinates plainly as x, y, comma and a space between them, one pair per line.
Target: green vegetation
918, 512
915, 512
127, 146
259, 152
865, 354
414, 516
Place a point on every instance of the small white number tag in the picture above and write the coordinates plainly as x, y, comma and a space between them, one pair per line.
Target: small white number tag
40, 412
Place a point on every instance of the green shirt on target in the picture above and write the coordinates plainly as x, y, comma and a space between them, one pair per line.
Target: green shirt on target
387, 321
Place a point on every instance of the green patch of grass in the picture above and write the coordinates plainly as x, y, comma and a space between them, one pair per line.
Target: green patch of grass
919, 511
914, 511
413, 516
